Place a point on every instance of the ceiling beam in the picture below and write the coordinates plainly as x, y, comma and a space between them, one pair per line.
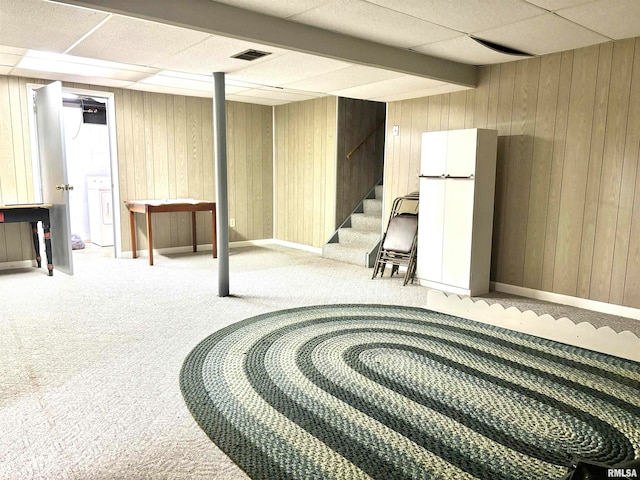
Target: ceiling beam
220, 19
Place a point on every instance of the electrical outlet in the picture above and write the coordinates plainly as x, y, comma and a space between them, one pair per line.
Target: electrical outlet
396, 130
232, 223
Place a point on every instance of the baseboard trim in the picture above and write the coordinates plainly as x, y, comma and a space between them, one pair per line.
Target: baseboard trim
251, 243
18, 264
585, 303
623, 344
298, 246
208, 247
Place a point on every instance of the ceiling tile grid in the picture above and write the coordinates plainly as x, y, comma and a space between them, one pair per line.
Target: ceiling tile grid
155, 56
464, 15
373, 22
543, 34
617, 19
38, 25
139, 42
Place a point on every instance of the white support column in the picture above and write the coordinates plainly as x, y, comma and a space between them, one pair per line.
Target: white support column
222, 203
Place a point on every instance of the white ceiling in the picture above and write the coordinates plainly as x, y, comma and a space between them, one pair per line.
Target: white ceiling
144, 55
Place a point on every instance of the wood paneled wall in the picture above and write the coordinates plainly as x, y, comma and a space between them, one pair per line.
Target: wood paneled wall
16, 180
165, 150
305, 165
567, 210
359, 173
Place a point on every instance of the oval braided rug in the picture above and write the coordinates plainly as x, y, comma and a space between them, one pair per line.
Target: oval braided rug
372, 391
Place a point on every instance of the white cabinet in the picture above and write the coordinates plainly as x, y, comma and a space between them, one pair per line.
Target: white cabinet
457, 182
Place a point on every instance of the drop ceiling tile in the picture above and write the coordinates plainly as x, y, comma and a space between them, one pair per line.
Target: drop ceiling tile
12, 50
255, 100
427, 92
616, 19
65, 77
544, 34
287, 68
9, 59
343, 78
394, 86
166, 79
553, 5
38, 25
81, 66
139, 42
464, 15
281, 8
374, 23
466, 50
276, 94
214, 55
146, 87
5, 70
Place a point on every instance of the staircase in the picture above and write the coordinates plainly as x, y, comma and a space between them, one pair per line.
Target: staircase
358, 238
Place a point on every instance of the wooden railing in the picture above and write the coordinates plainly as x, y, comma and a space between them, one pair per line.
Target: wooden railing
353, 150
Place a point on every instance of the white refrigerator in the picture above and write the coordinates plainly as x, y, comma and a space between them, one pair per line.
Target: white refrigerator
457, 183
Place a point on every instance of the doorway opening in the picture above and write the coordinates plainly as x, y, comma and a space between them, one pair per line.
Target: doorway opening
91, 166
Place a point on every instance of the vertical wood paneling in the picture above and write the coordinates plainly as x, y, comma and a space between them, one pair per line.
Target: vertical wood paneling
300, 128
519, 170
610, 183
555, 184
595, 169
628, 186
575, 170
165, 150
541, 170
506, 81
567, 206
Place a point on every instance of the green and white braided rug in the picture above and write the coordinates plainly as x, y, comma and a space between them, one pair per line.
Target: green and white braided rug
388, 392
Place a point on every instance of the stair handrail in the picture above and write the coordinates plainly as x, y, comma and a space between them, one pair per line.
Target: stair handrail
364, 139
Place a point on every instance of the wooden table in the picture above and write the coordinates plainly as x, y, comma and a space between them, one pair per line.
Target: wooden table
32, 213
179, 205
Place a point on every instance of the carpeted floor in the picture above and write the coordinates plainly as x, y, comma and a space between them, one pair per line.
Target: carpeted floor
389, 392
89, 364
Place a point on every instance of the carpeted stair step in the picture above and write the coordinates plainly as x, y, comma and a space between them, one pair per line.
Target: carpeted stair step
372, 206
365, 221
337, 251
379, 190
357, 238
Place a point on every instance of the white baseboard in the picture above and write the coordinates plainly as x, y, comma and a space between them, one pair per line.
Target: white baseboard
251, 243
585, 303
604, 339
19, 264
208, 247
298, 246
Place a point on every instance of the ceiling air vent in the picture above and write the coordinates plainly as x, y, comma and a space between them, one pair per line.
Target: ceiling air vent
250, 55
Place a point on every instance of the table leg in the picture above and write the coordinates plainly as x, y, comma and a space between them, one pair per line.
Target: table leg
214, 234
149, 235
193, 231
36, 242
47, 245
132, 225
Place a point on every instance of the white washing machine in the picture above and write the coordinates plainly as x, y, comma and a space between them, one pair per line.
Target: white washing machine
100, 210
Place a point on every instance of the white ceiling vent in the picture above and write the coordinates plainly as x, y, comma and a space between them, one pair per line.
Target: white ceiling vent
250, 55
501, 48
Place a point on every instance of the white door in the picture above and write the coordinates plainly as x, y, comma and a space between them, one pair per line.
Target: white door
461, 152
53, 169
457, 233
430, 229
433, 160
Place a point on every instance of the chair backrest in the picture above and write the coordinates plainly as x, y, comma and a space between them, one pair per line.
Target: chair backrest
400, 233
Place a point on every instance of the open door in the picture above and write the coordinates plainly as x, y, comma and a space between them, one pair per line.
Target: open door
53, 169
